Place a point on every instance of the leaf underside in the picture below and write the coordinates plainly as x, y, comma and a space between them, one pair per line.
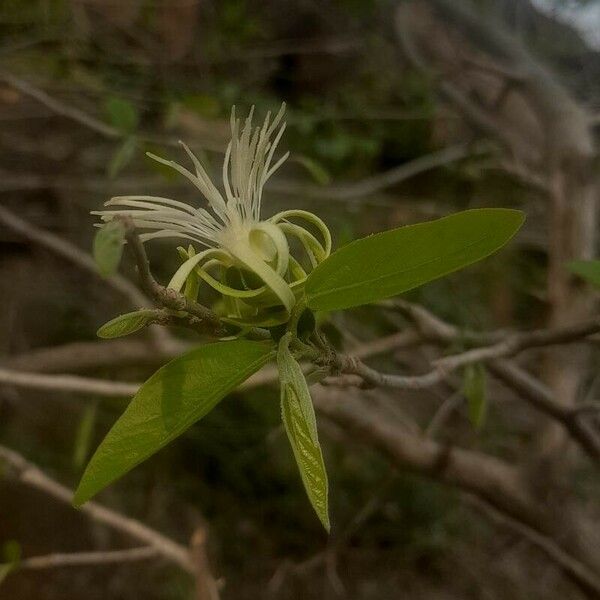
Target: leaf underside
299, 420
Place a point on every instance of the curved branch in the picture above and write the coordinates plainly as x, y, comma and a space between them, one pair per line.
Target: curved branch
29, 474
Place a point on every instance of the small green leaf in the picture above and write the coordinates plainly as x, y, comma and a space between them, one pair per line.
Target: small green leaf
11, 551
173, 399
474, 389
587, 269
122, 114
128, 323
5, 570
392, 262
122, 156
316, 170
108, 247
300, 424
11, 557
203, 104
83, 436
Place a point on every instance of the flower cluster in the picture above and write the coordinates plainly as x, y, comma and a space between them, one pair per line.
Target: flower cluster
245, 259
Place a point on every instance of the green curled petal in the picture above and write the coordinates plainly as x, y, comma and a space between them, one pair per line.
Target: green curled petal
251, 261
297, 273
223, 288
192, 283
188, 266
276, 236
313, 248
310, 218
260, 320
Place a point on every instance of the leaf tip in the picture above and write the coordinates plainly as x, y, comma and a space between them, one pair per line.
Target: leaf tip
78, 499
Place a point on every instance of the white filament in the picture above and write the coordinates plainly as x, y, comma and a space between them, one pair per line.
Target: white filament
246, 170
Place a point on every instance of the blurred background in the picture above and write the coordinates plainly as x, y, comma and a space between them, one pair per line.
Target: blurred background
397, 112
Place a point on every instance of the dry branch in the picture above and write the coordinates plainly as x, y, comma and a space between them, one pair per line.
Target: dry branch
509, 346
527, 386
71, 253
78, 559
85, 356
84, 261
17, 467
584, 577
204, 318
67, 383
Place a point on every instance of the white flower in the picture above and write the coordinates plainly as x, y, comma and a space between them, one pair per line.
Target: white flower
246, 170
232, 230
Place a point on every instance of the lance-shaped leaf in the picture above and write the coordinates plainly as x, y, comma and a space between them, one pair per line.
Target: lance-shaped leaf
122, 114
108, 247
122, 156
587, 269
392, 262
128, 323
474, 389
173, 399
300, 424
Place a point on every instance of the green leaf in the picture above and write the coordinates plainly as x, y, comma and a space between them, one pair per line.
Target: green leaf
11, 551
203, 104
108, 247
122, 114
83, 436
395, 261
122, 156
587, 269
301, 426
11, 556
128, 323
5, 570
316, 170
474, 389
173, 399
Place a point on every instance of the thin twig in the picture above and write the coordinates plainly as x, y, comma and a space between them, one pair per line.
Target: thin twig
509, 346
60, 108
204, 318
71, 253
357, 190
541, 397
577, 571
68, 383
78, 559
79, 116
527, 386
29, 474
84, 261
443, 413
75, 357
